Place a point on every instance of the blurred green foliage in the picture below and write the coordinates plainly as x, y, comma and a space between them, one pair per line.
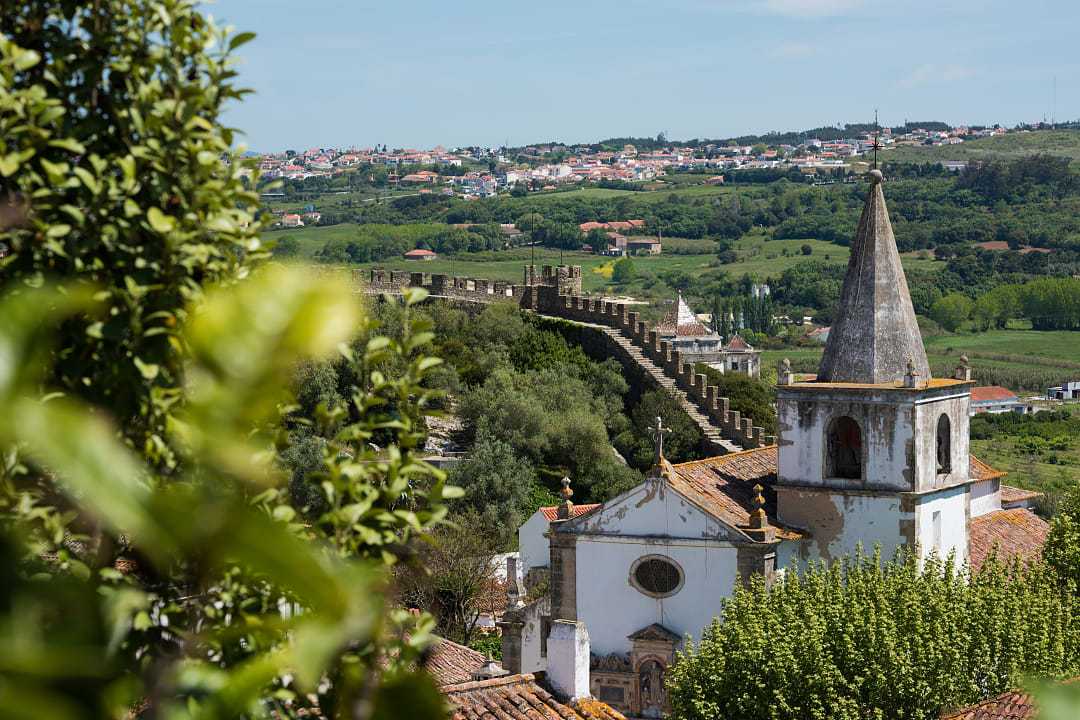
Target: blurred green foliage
153, 561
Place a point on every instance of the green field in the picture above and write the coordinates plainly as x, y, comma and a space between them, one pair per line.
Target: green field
758, 256
1063, 143
1025, 361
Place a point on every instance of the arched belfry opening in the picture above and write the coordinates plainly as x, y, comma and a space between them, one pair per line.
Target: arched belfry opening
944, 445
844, 449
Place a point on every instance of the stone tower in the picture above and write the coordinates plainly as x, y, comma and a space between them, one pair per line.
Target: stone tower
875, 451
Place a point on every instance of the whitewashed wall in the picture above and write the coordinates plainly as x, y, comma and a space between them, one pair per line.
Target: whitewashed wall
985, 497
838, 522
612, 608
532, 545
952, 536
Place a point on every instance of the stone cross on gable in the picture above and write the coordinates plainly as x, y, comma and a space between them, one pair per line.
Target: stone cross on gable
658, 439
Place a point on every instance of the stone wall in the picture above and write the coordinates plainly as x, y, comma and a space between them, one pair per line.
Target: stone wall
556, 291
621, 317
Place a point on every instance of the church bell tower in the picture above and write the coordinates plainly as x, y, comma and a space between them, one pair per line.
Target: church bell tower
875, 450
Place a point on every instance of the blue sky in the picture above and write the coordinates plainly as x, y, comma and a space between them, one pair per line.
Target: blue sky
414, 73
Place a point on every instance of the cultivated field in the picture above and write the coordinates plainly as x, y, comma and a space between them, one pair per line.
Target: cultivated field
1063, 143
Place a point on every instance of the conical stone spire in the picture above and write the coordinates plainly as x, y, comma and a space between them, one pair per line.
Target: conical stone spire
875, 332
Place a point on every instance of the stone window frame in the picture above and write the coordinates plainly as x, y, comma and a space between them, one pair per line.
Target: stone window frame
656, 556
828, 469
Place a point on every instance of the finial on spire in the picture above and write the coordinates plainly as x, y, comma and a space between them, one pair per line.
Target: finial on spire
911, 377
566, 508
877, 139
658, 439
963, 370
784, 376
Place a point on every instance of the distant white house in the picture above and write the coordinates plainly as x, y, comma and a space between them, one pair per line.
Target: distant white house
994, 399
1064, 391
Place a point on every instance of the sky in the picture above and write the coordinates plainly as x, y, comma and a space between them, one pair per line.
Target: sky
416, 73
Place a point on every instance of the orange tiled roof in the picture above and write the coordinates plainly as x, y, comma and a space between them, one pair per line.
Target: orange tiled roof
1013, 533
737, 343
1012, 705
551, 512
723, 486
450, 663
978, 470
987, 393
519, 697
1011, 495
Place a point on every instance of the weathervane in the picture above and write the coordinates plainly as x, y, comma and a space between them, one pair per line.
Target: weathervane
658, 439
877, 137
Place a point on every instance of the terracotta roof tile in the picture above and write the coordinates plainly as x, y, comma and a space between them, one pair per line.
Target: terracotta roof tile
987, 393
450, 663
978, 470
519, 697
1012, 495
723, 486
1013, 533
1013, 705
551, 512
682, 322
737, 343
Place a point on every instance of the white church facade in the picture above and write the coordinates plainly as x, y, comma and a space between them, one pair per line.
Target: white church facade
873, 452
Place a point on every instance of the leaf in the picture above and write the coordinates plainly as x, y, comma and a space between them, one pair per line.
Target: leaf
58, 230
69, 144
9, 164
88, 180
25, 60
159, 221
83, 451
239, 39
24, 317
409, 695
147, 370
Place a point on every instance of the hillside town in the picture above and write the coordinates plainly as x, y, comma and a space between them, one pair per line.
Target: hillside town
531, 165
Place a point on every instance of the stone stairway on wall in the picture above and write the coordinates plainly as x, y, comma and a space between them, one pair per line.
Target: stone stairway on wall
715, 442
703, 399
556, 293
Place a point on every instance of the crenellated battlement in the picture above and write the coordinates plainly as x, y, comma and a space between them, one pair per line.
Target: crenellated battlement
556, 291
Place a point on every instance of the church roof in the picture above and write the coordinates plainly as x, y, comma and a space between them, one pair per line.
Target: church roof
450, 663
875, 332
682, 322
1011, 705
723, 486
551, 512
978, 470
737, 343
519, 697
1008, 533
1011, 496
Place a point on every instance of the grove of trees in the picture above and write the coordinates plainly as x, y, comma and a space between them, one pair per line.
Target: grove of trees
865, 638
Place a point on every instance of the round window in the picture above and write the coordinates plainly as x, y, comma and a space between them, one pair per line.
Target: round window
656, 575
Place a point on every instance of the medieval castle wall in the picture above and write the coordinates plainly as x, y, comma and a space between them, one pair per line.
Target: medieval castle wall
556, 291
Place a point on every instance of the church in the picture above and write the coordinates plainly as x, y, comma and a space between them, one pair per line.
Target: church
871, 452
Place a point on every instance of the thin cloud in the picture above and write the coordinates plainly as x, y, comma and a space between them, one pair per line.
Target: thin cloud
811, 8
933, 74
